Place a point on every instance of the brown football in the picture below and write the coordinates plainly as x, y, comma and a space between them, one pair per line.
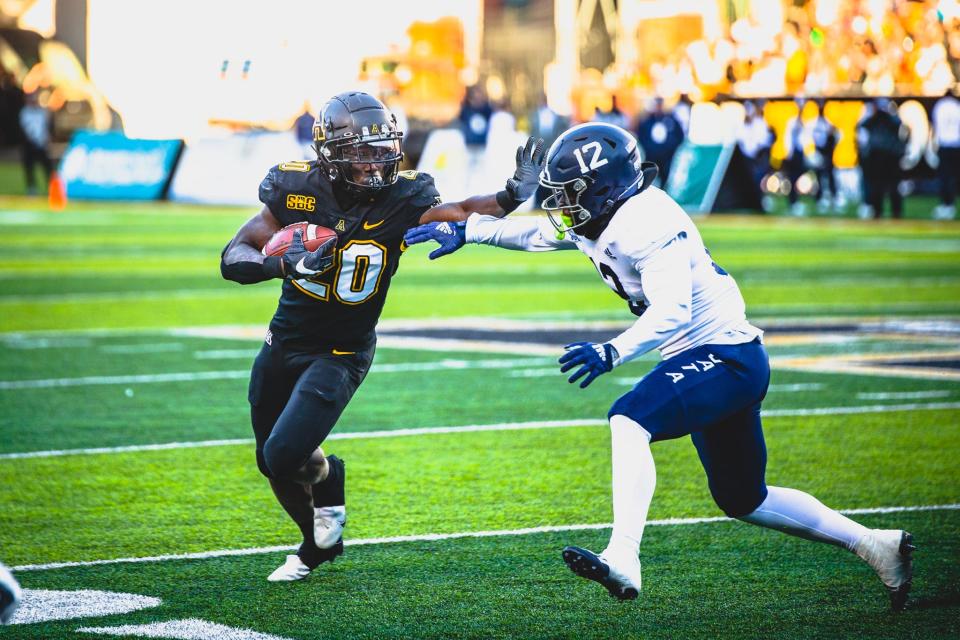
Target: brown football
313, 237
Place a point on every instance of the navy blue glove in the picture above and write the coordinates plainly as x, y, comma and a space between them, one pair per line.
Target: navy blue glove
449, 235
594, 360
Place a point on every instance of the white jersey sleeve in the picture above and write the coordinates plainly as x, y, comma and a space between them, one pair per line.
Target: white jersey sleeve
521, 233
668, 289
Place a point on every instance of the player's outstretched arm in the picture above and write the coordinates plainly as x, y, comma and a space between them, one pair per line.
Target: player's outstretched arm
519, 189
524, 233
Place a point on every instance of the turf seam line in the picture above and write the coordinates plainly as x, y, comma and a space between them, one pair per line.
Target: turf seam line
436, 537
473, 428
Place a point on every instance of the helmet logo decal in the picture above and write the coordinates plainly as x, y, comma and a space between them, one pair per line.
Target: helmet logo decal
595, 160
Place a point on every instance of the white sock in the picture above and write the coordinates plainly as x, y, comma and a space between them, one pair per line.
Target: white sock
802, 515
634, 478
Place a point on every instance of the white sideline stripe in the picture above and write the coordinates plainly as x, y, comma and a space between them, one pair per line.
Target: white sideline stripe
434, 537
470, 428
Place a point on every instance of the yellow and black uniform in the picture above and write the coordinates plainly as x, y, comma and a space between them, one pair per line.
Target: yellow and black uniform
322, 336
339, 309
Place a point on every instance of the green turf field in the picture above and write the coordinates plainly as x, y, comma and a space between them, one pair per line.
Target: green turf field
126, 463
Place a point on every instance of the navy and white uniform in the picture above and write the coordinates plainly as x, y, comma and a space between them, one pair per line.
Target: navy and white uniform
714, 373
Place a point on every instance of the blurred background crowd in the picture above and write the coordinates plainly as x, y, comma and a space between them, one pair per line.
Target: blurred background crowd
816, 106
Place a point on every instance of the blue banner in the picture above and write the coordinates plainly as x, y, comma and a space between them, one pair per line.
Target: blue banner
111, 166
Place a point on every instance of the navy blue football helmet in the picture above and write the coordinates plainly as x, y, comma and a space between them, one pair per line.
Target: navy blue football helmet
591, 169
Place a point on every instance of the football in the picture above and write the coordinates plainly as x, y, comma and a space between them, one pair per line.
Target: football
313, 237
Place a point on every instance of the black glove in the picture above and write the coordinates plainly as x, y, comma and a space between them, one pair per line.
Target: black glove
526, 178
300, 263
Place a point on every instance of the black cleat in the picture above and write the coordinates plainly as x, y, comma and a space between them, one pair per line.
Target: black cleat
314, 557
589, 565
898, 595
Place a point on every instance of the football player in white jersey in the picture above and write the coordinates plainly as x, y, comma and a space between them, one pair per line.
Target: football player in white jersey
714, 373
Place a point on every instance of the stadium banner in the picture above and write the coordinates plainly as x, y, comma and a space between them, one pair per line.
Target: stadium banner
229, 170
696, 174
110, 166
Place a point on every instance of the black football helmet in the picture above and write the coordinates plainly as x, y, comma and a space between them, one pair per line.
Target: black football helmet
357, 141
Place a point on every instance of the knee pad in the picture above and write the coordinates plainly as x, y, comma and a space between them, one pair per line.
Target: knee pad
280, 459
262, 464
738, 501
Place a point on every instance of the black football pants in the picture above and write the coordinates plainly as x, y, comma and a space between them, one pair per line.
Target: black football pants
295, 401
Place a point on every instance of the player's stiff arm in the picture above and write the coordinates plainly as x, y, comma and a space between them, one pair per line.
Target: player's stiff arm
714, 373
321, 340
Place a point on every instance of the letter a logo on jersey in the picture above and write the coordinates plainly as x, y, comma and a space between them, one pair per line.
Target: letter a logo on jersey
341, 225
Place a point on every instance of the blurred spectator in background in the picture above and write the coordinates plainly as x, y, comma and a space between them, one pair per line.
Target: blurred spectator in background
681, 111
857, 47
614, 116
823, 137
882, 145
474, 117
794, 162
754, 139
946, 133
11, 101
501, 121
35, 124
303, 128
659, 134
547, 123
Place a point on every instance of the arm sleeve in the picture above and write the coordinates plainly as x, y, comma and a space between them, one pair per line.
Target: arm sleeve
668, 287
521, 233
250, 272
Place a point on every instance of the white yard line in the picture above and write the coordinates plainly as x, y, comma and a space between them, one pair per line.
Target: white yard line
225, 354
905, 395
433, 537
793, 388
156, 347
83, 381
189, 376
471, 428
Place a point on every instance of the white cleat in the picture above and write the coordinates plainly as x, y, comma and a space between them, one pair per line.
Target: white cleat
619, 575
328, 524
889, 552
292, 569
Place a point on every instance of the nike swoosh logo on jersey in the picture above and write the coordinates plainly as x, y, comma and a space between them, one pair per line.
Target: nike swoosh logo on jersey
367, 226
337, 352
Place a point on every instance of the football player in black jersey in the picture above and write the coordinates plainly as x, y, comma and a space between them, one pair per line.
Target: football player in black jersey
321, 340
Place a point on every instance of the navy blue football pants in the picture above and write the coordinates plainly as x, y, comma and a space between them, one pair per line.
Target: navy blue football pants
295, 401
711, 393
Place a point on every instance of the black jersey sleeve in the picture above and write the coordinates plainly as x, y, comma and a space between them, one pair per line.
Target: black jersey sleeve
270, 190
279, 183
423, 195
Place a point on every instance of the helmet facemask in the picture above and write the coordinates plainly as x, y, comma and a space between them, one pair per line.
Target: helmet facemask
363, 162
565, 199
